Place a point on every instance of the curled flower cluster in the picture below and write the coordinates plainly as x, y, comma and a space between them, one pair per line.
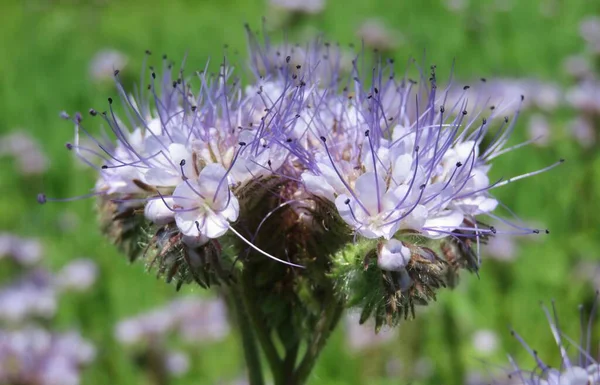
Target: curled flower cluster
308, 165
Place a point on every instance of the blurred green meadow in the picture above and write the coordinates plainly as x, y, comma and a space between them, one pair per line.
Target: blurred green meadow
47, 47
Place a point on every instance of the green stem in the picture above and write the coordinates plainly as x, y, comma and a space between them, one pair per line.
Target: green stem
251, 353
253, 309
332, 313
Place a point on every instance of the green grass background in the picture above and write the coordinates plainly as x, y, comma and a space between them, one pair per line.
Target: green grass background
46, 49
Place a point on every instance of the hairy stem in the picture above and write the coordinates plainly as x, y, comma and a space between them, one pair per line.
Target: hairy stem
332, 311
253, 309
251, 353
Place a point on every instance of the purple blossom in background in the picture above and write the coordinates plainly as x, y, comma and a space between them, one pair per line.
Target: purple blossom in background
26, 151
104, 63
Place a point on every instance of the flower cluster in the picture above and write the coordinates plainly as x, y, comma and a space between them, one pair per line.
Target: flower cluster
308, 165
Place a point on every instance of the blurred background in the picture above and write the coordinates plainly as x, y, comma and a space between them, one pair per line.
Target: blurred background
79, 312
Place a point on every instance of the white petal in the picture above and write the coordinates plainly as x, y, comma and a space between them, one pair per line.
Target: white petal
416, 219
213, 225
402, 168
179, 152
157, 212
186, 222
184, 196
317, 185
210, 179
574, 376
159, 176
393, 256
370, 189
446, 221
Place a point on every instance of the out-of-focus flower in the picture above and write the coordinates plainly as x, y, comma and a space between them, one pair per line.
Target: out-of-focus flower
589, 28
30, 158
485, 341
585, 96
539, 130
375, 34
78, 275
501, 247
24, 251
105, 62
310, 7
583, 369
577, 66
193, 319
200, 320
362, 337
583, 131
36, 356
33, 295
177, 363
456, 5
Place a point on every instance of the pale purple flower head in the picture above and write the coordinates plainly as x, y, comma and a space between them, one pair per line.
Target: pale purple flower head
310, 162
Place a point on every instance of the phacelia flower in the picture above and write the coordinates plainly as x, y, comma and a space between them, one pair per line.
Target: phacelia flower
584, 369
371, 186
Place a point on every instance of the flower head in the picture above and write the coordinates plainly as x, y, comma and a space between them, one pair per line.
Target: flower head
369, 181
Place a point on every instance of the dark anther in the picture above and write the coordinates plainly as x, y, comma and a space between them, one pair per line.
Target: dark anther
506, 119
345, 89
78, 117
547, 231
323, 139
536, 231
356, 79
294, 76
269, 163
164, 56
416, 148
522, 97
442, 109
297, 115
493, 229
492, 108
288, 140
302, 83
464, 112
466, 87
288, 58
182, 163
194, 108
104, 167
370, 96
41, 198
242, 143
148, 52
484, 80
109, 100
422, 186
179, 81
153, 75
376, 90
69, 146
483, 121
298, 66
561, 160
149, 87
458, 164
93, 112
116, 72
367, 133
174, 84
391, 61
347, 201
